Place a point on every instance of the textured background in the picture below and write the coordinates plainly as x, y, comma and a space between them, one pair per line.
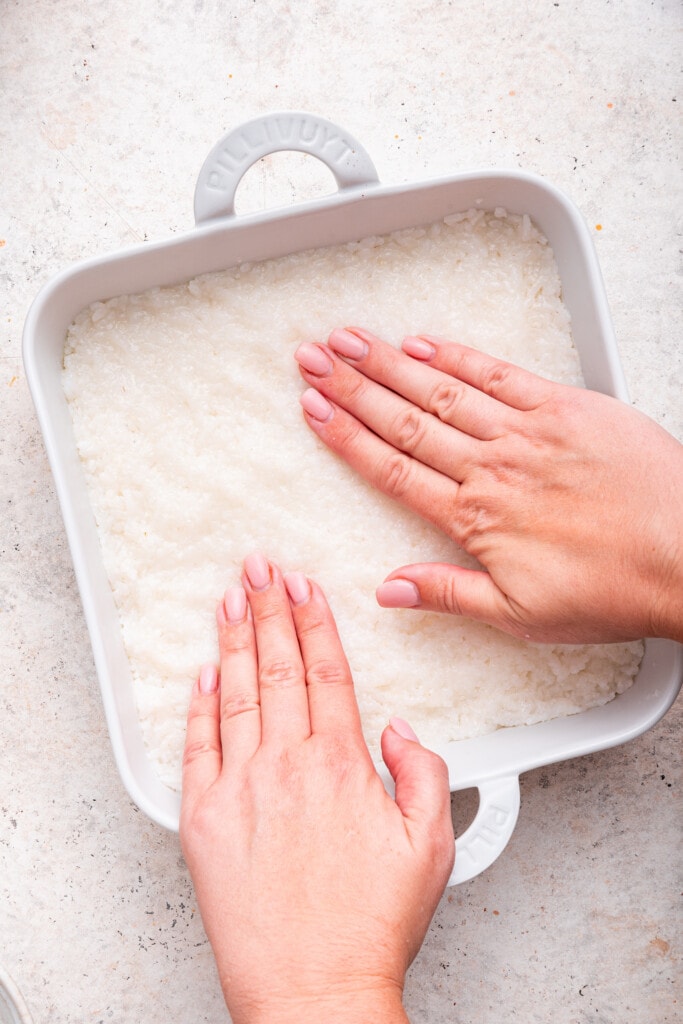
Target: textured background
107, 111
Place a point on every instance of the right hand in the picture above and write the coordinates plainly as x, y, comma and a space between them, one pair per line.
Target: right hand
570, 500
315, 887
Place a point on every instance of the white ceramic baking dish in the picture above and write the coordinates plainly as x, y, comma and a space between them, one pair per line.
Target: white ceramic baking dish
13, 1009
221, 239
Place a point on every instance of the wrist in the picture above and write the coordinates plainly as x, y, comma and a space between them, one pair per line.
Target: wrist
343, 1007
666, 539
666, 619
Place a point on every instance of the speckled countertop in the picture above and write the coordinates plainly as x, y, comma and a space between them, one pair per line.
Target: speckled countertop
107, 111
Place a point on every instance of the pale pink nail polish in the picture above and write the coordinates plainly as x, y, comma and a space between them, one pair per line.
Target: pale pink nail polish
235, 603
316, 406
313, 359
257, 570
298, 587
347, 344
398, 594
208, 679
418, 348
403, 729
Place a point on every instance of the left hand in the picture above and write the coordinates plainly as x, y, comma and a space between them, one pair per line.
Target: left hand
571, 501
316, 888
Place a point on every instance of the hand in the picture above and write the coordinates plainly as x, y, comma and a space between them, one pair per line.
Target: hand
571, 501
316, 888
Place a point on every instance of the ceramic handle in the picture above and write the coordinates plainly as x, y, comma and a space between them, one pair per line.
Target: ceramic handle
232, 157
488, 835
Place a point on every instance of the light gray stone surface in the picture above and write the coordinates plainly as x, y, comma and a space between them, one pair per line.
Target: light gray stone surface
106, 113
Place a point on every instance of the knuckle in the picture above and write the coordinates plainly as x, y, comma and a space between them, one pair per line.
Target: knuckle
474, 521
447, 595
460, 360
326, 672
199, 709
279, 674
315, 622
395, 476
234, 641
352, 388
494, 378
195, 751
198, 824
409, 429
268, 607
238, 703
446, 398
512, 477
345, 432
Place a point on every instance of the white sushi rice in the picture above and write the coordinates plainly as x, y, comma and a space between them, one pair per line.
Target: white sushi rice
186, 415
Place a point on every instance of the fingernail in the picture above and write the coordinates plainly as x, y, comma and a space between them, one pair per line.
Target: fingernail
316, 406
208, 679
235, 603
347, 344
298, 587
257, 570
403, 729
313, 359
398, 594
418, 348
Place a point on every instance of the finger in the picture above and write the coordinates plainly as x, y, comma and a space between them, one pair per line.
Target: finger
331, 697
424, 490
440, 587
422, 786
281, 677
517, 388
405, 426
202, 754
240, 710
448, 398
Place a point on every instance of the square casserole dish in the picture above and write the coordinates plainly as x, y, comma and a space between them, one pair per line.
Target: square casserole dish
221, 239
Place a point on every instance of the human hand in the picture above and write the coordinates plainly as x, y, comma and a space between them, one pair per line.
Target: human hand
570, 500
316, 888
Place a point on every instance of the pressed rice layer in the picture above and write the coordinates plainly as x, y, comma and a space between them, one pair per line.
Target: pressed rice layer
185, 409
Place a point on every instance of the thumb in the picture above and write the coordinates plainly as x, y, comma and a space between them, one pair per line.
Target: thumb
420, 776
441, 587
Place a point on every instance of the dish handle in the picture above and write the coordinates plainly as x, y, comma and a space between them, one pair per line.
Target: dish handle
488, 835
231, 158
